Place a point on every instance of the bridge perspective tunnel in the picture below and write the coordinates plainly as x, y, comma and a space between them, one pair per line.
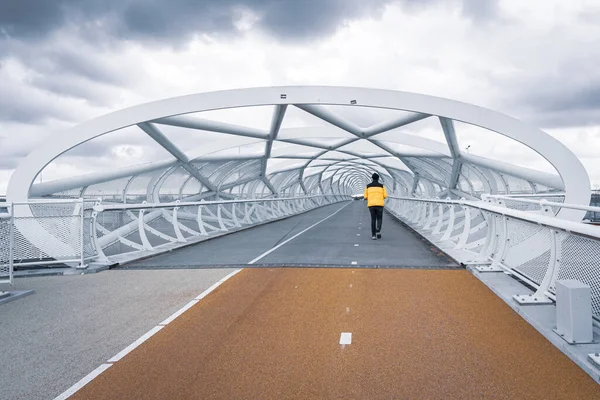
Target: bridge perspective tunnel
211, 163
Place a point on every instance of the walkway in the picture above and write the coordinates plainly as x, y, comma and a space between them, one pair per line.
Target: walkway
344, 239
416, 334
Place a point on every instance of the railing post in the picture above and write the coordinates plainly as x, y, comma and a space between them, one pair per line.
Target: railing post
220, 218
440, 222
11, 244
539, 297
466, 229
490, 241
429, 218
82, 264
100, 256
247, 219
450, 228
142, 231
422, 213
178, 234
234, 216
199, 221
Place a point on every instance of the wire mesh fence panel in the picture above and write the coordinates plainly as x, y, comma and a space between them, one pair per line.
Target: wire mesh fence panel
5, 267
47, 233
579, 259
528, 249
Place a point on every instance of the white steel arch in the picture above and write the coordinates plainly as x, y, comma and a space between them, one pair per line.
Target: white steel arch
304, 161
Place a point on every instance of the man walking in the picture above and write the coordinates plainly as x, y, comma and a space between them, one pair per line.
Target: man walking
375, 195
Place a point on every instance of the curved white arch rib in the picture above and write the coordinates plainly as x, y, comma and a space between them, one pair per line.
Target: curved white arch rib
571, 171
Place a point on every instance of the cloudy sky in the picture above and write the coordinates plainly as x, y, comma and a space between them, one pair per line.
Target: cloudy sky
65, 61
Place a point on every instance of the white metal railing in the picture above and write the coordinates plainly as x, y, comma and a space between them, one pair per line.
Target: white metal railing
534, 245
76, 232
121, 228
41, 233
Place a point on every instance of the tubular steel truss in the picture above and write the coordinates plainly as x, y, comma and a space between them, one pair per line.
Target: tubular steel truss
294, 169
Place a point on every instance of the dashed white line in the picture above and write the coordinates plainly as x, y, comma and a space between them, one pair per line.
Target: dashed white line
356, 245
135, 344
179, 312
354, 263
73, 389
84, 381
266, 253
346, 338
88, 378
358, 234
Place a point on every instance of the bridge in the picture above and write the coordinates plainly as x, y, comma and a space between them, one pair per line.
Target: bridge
245, 267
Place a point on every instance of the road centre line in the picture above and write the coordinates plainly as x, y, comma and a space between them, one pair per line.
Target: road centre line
84, 381
346, 338
92, 375
266, 253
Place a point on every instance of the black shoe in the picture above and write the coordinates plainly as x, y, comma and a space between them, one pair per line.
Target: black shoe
379, 236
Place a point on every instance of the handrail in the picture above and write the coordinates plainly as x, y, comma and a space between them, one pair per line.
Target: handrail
144, 206
544, 203
577, 228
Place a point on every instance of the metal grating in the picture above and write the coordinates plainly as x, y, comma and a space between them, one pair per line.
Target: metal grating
580, 260
4, 250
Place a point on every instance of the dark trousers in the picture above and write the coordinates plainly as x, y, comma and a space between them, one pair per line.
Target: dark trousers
376, 219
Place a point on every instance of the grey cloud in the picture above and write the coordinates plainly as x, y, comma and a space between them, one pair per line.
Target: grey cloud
29, 107
480, 10
175, 21
560, 102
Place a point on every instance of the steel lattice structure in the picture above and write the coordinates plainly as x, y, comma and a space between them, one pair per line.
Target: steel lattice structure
284, 163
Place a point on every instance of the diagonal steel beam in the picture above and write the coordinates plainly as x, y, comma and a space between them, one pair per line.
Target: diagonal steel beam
393, 124
160, 138
183, 121
276, 121
450, 134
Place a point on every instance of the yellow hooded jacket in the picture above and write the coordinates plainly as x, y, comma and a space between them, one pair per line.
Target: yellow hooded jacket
375, 194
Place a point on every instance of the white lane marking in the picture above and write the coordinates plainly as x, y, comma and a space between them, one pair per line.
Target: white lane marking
354, 263
358, 234
73, 389
84, 381
346, 338
266, 253
216, 285
135, 344
179, 312
356, 245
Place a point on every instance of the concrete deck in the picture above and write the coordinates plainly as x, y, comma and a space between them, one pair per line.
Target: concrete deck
415, 334
330, 243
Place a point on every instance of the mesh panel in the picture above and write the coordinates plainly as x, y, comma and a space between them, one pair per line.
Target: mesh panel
88, 246
4, 248
535, 269
528, 249
521, 206
580, 260
517, 185
53, 232
67, 194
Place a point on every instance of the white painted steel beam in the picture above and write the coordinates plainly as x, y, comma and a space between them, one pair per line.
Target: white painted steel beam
168, 145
